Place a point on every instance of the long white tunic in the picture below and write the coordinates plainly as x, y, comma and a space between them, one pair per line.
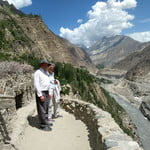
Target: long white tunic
57, 92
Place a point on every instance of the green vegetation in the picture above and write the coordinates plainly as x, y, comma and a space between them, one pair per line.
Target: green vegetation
16, 35
105, 81
4, 44
8, 10
12, 36
24, 58
79, 79
29, 59
100, 66
4, 56
29, 15
5, 11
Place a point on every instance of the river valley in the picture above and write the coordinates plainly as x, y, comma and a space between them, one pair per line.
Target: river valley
142, 124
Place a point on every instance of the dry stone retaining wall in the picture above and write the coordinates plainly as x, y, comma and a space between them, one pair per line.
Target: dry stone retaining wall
16, 91
104, 132
7, 107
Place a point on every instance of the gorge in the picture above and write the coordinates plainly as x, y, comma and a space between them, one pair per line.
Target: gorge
24, 41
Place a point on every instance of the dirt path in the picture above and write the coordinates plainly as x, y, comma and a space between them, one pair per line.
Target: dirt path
67, 134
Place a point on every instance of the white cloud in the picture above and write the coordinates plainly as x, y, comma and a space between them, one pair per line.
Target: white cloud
104, 19
141, 36
79, 20
19, 3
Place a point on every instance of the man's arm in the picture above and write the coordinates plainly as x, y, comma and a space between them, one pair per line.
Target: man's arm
37, 83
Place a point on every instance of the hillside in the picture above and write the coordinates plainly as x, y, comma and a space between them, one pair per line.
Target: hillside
24, 37
137, 64
138, 75
113, 49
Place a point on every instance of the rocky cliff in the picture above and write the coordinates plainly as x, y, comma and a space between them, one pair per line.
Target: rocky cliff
136, 64
113, 49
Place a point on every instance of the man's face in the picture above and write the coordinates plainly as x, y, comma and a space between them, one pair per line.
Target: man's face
44, 66
51, 68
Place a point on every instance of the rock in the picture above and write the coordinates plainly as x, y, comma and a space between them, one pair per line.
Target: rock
145, 108
111, 144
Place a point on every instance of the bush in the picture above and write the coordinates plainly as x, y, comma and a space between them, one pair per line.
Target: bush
100, 66
4, 56
105, 81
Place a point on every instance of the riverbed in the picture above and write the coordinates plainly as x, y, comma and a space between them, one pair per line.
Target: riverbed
142, 124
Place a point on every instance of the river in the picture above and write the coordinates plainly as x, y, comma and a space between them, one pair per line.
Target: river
142, 124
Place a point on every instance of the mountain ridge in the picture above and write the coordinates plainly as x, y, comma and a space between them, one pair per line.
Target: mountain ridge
136, 64
111, 50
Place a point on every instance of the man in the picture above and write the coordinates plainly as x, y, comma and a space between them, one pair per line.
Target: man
54, 94
42, 87
56, 97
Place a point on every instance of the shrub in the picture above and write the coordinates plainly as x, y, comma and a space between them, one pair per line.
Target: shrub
100, 66
28, 58
4, 56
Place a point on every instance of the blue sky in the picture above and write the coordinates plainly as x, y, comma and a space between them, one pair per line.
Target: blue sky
58, 13
95, 19
141, 13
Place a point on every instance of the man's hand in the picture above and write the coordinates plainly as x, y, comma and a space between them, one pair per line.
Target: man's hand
50, 96
42, 98
55, 81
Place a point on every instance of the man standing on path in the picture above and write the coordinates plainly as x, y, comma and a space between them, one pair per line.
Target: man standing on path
51, 67
54, 94
42, 87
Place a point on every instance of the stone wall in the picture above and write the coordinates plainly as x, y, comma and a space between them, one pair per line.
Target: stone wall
16, 91
104, 132
20, 86
7, 113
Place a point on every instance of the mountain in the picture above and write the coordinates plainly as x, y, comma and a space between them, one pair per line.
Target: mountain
137, 64
111, 50
26, 36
